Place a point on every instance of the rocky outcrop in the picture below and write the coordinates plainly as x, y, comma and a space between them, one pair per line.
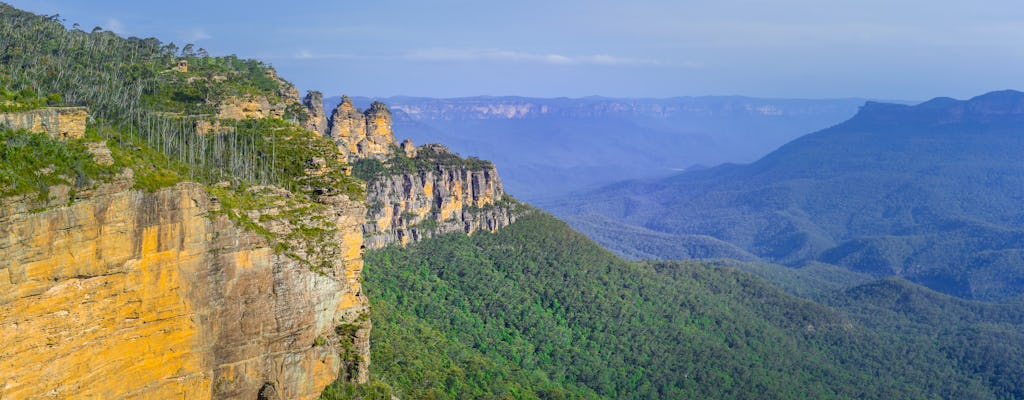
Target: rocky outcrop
443, 197
317, 122
408, 148
249, 107
416, 193
58, 122
288, 93
129, 294
284, 97
211, 127
362, 135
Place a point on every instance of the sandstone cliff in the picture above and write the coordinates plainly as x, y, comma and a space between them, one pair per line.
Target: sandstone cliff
317, 122
359, 134
249, 107
414, 193
273, 104
58, 122
127, 294
434, 192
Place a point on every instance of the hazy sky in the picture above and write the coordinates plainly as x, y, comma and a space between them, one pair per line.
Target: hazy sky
444, 48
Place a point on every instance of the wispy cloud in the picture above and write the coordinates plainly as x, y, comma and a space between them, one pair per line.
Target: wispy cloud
447, 54
491, 55
194, 35
309, 55
115, 25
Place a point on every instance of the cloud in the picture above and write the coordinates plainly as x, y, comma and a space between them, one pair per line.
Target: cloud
115, 25
309, 55
447, 54
492, 55
194, 35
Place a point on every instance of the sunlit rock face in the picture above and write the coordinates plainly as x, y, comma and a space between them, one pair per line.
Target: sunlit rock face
129, 294
362, 134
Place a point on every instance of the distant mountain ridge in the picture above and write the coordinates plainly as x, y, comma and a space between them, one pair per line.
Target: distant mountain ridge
516, 107
931, 192
550, 147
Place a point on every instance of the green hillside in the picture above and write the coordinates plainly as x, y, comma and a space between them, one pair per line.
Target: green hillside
147, 111
539, 311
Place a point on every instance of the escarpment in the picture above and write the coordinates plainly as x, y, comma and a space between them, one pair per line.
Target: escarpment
157, 295
437, 197
422, 192
58, 122
190, 291
413, 192
273, 104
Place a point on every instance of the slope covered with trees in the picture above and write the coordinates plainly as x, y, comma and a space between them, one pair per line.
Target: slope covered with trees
929, 192
539, 311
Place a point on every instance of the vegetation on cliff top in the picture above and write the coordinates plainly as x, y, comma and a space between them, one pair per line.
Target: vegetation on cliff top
431, 157
139, 100
25, 99
147, 111
35, 162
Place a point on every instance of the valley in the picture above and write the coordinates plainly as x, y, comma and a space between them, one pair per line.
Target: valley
176, 224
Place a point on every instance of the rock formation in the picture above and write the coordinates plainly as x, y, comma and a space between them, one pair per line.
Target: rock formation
317, 122
110, 292
420, 192
408, 148
447, 194
129, 294
362, 135
249, 107
58, 122
259, 106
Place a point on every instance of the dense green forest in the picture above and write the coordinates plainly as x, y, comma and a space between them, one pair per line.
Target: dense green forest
540, 311
931, 193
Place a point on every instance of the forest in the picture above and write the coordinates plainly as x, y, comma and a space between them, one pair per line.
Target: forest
539, 311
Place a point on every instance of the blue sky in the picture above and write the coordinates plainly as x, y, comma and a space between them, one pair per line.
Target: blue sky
444, 48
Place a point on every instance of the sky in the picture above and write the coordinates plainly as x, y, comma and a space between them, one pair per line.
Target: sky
882, 49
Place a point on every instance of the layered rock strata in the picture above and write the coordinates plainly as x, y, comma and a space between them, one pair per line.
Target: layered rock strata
361, 134
128, 294
442, 198
58, 122
317, 122
259, 106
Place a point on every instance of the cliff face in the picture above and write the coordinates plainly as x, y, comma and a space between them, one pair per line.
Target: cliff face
359, 134
415, 193
439, 197
128, 294
249, 107
58, 122
259, 106
317, 122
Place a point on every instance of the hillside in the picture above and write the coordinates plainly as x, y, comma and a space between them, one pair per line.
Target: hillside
536, 310
168, 229
930, 192
547, 147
